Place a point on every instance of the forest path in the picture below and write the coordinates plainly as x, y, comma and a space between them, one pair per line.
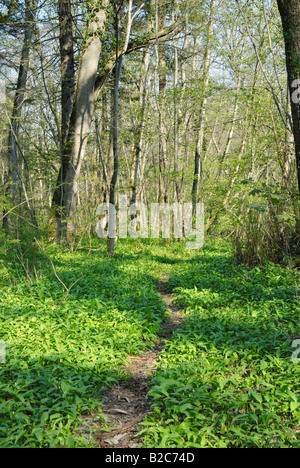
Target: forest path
127, 404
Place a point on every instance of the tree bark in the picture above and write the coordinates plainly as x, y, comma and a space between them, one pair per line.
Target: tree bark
198, 168
13, 158
290, 17
161, 71
140, 126
89, 84
68, 83
82, 114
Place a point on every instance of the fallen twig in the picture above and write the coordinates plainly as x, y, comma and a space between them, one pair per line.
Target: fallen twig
57, 277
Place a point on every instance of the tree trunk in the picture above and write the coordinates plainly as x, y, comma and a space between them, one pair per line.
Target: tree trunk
289, 147
66, 42
198, 169
89, 84
161, 71
290, 16
13, 158
82, 115
140, 126
115, 116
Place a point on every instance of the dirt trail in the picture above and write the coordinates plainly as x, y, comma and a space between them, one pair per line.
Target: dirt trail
126, 404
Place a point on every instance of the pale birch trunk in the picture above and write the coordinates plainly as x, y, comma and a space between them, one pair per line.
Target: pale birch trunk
118, 72
140, 126
83, 113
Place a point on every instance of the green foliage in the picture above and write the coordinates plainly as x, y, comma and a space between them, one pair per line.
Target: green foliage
227, 378
266, 226
60, 358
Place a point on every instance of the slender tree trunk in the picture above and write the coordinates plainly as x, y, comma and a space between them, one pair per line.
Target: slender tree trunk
13, 157
176, 127
177, 104
239, 158
231, 131
66, 42
68, 83
289, 147
140, 126
117, 75
248, 118
161, 71
105, 186
138, 141
198, 169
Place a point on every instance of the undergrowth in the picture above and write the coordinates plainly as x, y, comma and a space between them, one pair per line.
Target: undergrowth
226, 378
60, 356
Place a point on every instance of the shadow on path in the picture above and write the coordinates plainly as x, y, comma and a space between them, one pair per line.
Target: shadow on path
127, 403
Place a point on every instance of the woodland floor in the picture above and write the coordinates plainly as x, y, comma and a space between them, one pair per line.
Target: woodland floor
158, 347
127, 404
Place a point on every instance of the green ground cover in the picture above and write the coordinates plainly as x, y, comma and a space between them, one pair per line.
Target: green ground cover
60, 359
225, 379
